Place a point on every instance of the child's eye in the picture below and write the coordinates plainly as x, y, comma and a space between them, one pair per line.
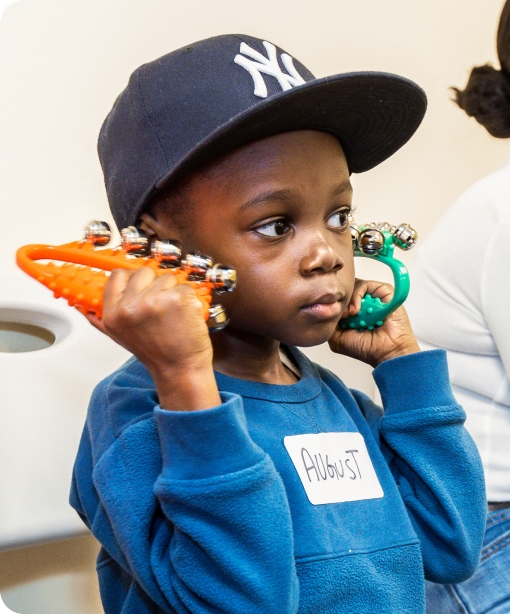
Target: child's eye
339, 220
274, 229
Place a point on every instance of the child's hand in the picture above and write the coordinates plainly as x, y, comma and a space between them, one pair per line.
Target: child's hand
394, 338
162, 323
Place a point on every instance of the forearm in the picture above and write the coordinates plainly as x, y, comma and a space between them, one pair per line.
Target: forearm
203, 517
229, 504
187, 389
434, 462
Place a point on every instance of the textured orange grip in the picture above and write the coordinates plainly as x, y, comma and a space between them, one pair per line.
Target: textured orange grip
82, 276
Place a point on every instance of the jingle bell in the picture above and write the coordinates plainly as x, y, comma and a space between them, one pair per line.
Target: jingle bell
98, 233
134, 241
371, 241
196, 265
167, 253
354, 235
223, 278
217, 318
405, 237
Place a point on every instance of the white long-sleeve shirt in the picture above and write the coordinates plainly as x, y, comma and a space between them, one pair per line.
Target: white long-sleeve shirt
460, 301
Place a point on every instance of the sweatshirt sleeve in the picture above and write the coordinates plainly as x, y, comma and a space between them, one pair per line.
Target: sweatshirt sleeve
434, 462
192, 510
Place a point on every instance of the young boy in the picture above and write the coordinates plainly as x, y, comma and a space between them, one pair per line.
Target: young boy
226, 472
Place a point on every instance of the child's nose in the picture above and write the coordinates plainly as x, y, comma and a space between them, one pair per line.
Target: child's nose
320, 257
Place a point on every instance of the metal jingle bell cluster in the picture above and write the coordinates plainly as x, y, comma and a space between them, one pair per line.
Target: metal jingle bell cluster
371, 239
168, 254
378, 241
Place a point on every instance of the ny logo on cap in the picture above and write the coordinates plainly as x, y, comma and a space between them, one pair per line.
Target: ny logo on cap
269, 66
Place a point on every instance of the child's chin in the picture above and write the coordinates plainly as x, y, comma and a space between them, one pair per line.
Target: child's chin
315, 335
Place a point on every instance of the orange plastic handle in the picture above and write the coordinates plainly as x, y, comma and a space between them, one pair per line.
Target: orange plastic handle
82, 277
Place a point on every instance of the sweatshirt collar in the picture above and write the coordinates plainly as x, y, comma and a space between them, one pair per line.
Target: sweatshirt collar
306, 389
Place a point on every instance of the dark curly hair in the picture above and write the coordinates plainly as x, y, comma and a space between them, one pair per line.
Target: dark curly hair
487, 93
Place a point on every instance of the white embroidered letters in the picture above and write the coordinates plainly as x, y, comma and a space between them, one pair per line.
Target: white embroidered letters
269, 66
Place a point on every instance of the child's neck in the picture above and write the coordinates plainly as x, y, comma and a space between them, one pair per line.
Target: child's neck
246, 356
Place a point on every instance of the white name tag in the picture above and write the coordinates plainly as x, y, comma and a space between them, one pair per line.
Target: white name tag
334, 467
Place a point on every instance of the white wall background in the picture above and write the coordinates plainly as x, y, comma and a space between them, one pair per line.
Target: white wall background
62, 64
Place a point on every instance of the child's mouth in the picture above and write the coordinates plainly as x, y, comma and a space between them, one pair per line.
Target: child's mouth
325, 307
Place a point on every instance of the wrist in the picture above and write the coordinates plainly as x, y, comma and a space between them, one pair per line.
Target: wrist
404, 349
424, 377
187, 388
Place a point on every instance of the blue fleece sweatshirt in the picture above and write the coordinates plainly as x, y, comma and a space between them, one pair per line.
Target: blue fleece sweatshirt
206, 511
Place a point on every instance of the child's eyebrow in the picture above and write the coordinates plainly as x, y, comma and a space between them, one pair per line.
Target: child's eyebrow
344, 186
282, 195
286, 194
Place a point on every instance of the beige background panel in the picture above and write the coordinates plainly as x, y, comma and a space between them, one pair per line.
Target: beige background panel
63, 62
52, 578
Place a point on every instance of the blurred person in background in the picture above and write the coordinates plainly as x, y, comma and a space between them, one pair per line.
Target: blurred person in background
460, 301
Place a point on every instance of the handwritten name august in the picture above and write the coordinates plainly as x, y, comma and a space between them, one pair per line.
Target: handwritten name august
322, 469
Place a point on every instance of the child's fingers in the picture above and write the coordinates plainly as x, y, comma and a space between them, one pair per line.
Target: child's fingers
165, 282
376, 289
380, 290
357, 294
122, 293
167, 295
142, 296
138, 282
126, 285
96, 322
360, 289
116, 286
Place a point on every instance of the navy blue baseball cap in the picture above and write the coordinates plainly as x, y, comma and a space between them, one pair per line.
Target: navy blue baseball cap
189, 107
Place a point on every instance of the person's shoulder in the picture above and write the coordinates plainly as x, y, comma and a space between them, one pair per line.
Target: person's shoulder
487, 199
124, 397
495, 186
129, 377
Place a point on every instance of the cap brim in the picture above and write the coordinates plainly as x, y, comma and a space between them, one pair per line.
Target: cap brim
372, 114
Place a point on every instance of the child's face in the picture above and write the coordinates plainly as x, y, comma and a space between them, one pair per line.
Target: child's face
276, 210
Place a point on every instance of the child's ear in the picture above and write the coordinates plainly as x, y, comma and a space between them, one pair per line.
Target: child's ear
156, 230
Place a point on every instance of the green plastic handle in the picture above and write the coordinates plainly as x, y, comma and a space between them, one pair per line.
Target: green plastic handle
373, 311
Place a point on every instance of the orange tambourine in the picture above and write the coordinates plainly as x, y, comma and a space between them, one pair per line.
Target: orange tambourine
83, 274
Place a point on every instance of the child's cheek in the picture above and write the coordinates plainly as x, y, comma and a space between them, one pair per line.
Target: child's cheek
350, 273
